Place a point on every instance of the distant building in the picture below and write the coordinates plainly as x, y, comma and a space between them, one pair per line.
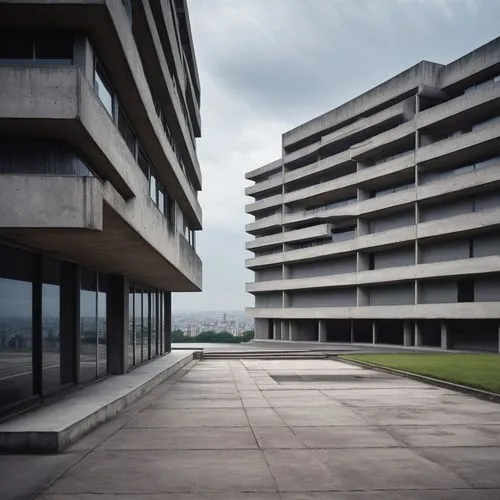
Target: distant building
99, 111
381, 221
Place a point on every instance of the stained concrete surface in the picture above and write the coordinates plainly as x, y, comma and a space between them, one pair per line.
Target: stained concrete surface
227, 430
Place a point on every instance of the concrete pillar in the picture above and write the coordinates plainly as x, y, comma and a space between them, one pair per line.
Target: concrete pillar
321, 330
352, 331
374, 332
117, 324
407, 333
418, 334
293, 331
445, 340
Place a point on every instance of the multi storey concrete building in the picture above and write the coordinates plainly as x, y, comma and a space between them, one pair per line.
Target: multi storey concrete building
99, 111
381, 221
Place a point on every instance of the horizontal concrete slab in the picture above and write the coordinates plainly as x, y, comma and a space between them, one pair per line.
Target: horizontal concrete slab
51, 428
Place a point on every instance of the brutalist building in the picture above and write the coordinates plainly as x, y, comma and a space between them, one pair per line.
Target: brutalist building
99, 111
380, 223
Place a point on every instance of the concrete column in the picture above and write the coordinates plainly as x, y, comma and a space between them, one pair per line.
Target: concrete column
352, 331
445, 340
374, 332
294, 331
117, 324
70, 323
321, 330
407, 333
418, 335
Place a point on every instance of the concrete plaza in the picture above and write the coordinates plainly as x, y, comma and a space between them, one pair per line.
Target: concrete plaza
283, 429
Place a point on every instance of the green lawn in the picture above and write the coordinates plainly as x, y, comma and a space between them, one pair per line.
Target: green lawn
474, 370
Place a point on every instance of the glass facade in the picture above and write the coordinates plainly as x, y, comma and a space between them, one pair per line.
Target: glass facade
55, 319
40, 157
146, 328
16, 325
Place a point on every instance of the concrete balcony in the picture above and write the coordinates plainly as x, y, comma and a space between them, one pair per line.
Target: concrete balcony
460, 108
303, 154
265, 204
395, 169
334, 214
271, 222
59, 102
403, 85
84, 220
259, 173
449, 269
465, 224
484, 58
318, 167
309, 233
383, 239
403, 134
467, 182
264, 186
461, 149
389, 117
462, 310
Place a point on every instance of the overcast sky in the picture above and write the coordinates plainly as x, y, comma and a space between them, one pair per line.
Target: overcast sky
267, 66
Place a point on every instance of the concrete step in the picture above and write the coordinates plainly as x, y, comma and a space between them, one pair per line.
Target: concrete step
53, 427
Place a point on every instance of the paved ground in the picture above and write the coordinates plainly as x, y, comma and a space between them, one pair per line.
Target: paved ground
255, 430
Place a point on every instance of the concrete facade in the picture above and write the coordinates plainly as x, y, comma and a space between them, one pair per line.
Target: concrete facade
379, 223
99, 182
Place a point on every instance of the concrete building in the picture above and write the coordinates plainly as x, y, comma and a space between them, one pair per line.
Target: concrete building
381, 221
99, 111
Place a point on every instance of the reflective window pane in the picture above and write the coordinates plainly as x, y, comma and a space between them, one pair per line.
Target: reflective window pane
131, 328
102, 326
51, 339
103, 89
153, 324
145, 325
16, 325
88, 325
139, 356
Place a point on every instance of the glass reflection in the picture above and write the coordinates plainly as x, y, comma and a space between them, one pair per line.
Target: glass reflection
88, 325
16, 340
51, 313
131, 328
145, 326
139, 355
102, 328
154, 348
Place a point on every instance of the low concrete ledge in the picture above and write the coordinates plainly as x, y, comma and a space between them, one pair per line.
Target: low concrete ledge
52, 428
472, 391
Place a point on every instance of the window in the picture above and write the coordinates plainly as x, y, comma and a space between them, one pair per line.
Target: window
126, 131
152, 189
36, 47
161, 201
143, 162
54, 47
103, 89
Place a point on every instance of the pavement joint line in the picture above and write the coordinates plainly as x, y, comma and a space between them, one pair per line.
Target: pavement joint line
472, 391
257, 441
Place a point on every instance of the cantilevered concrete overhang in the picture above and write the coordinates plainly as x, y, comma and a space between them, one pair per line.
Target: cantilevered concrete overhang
60, 103
80, 219
107, 25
